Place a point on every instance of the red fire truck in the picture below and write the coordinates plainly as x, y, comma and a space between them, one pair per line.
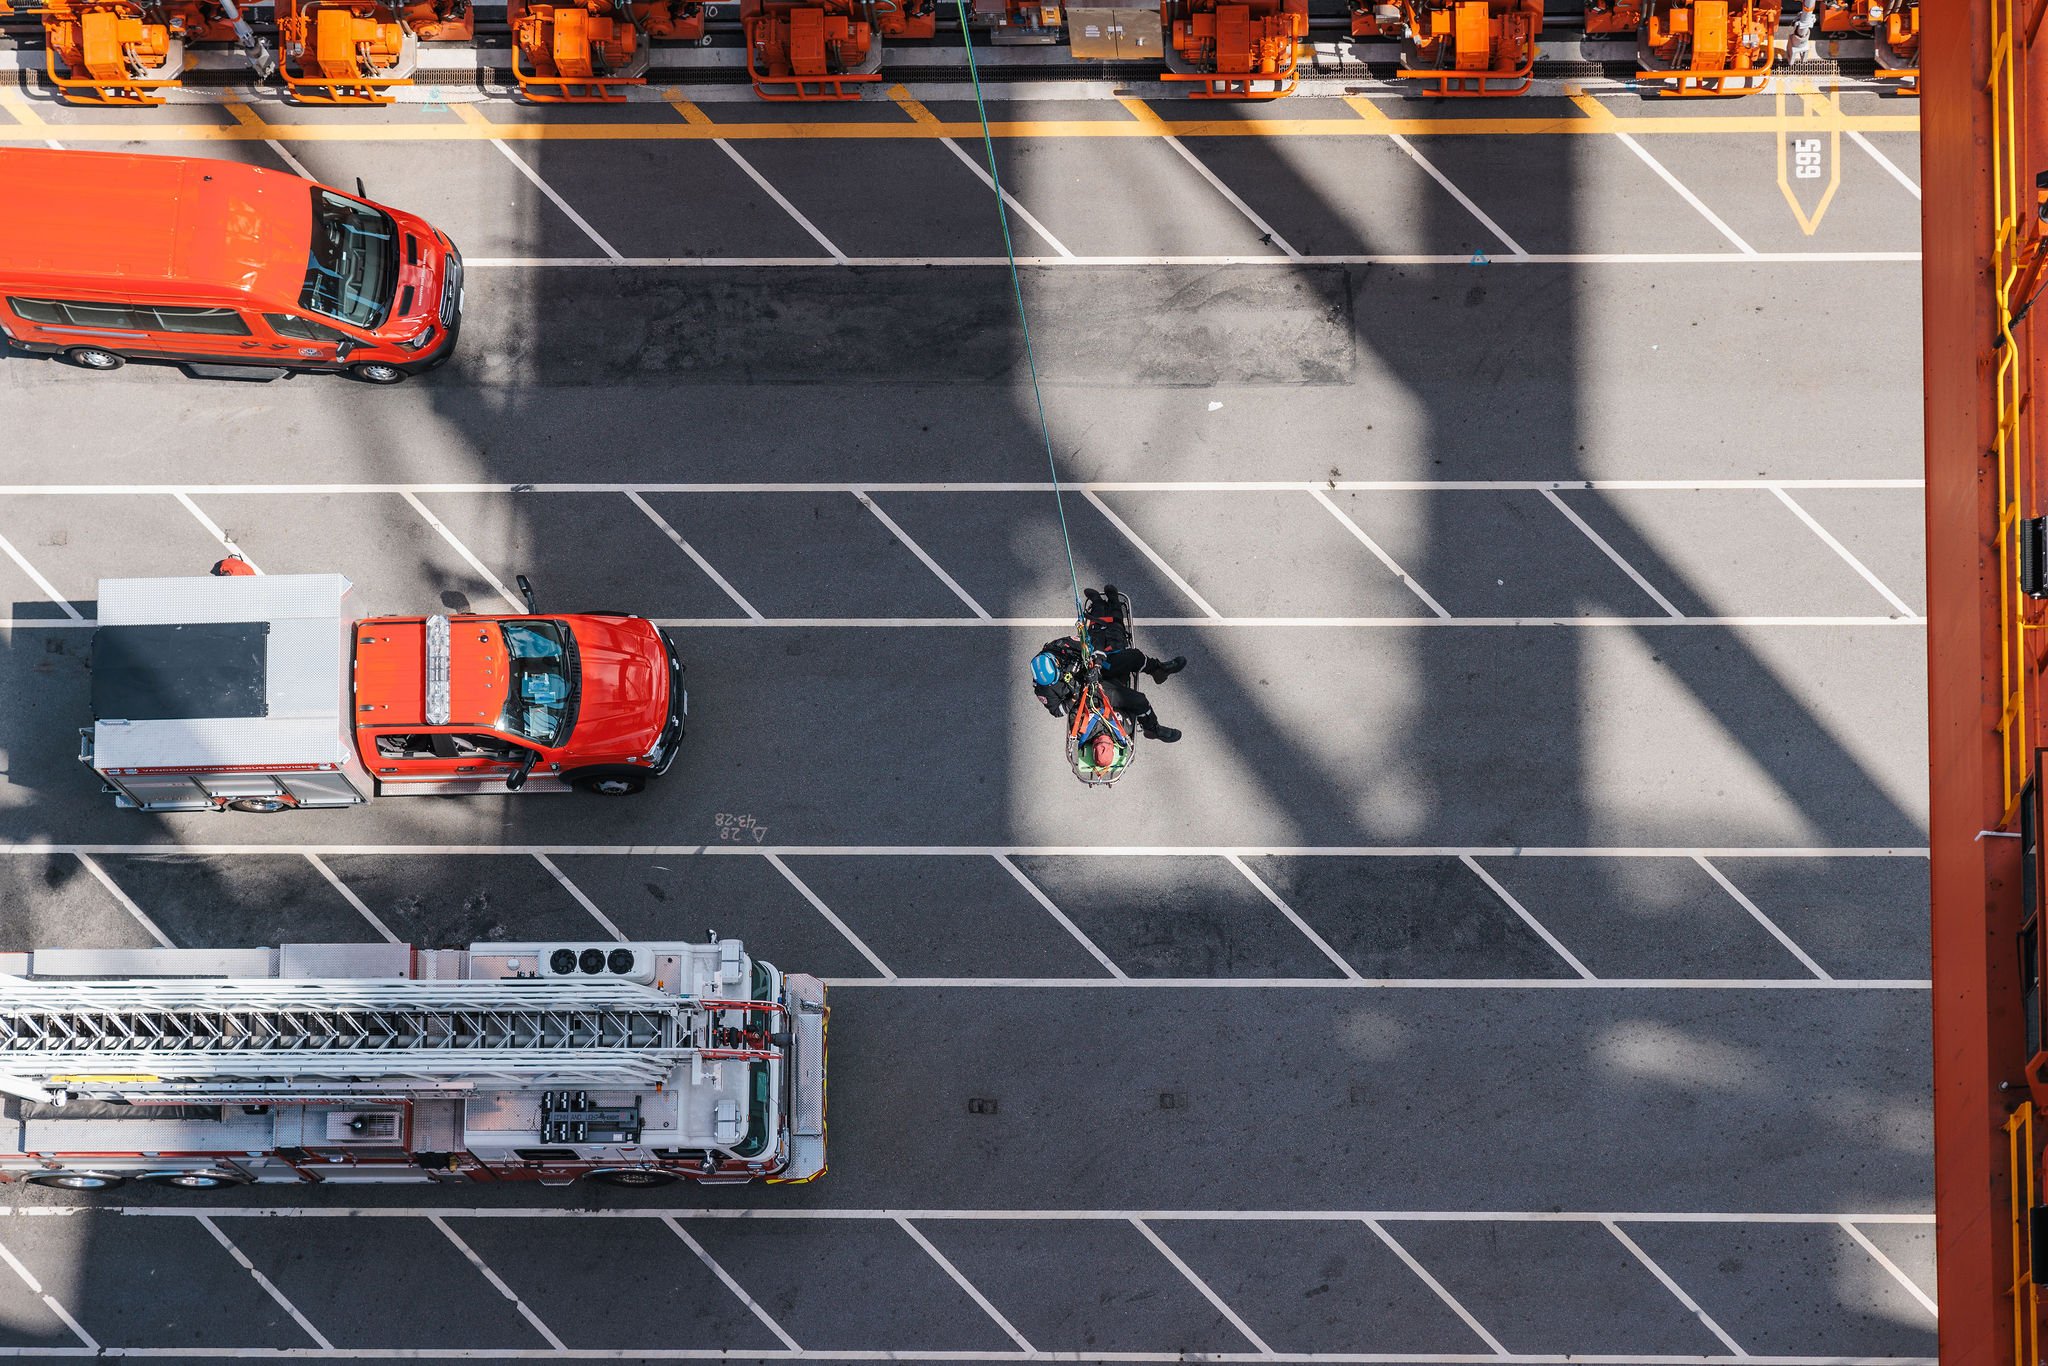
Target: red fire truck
628, 1064
263, 693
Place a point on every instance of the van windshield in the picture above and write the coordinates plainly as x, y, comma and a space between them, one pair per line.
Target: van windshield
540, 699
352, 270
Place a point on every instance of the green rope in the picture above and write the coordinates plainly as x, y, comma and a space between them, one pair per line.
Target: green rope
995, 177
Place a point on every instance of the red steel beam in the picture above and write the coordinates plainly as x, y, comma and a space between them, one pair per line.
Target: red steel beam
1978, 1039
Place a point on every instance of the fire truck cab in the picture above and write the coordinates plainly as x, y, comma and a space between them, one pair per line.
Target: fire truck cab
264, 694
637, 1064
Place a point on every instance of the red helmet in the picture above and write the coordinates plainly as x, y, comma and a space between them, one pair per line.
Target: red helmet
1105, 751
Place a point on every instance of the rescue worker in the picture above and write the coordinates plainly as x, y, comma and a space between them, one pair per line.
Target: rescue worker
233, 567
1059, 673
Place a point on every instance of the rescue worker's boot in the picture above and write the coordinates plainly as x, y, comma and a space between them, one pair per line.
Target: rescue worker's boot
1159, 670
1149, 727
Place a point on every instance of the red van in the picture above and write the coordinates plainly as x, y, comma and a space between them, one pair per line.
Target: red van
110, 257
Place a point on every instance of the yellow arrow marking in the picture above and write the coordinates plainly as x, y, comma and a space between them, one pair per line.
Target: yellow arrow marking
1817, 112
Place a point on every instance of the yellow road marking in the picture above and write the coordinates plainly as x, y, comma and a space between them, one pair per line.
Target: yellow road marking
913, 106
1590, 107
245, 116
1374, 116
1816, 113
476, 118
15, 103
691, 113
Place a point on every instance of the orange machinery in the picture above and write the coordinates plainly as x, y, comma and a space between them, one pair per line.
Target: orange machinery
1695, 47
814, 49
123, 52
1458, 47
355, 51
584, 52
1234, 49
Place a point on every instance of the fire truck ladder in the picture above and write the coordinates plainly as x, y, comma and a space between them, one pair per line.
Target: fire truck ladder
178, 1038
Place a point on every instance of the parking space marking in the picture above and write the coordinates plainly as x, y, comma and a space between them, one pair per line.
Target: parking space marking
243, 114
1436, 1286
1172, 575
1848, 557
1641, 258
1889, 1265
503, 1289
1267, 232
1293, 919
1531, 921
1358, 532
976, 486
806, 224
577, 892
1769, 924
466, 112
725, 1279
269, 1287
1037, 894
1685, 193
1867, 145
1611, 553
1317, 623
1201, 1286
1401, 983
1673, 1286
946, 1265
348, 895
817, 903
921, 115
910, 544
669, 531
1056, 1215
99, 874
483, 572
213, 530
1014, 850
35, 575
35, 1288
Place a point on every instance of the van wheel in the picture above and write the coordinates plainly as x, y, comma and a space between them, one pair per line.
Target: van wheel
609, 782
94, 358
377, 372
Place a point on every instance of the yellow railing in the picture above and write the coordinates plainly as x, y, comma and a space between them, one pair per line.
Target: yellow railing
2026, 1322
2010, 211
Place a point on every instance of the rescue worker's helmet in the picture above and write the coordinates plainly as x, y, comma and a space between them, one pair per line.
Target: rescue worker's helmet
1045, 670
1105, 751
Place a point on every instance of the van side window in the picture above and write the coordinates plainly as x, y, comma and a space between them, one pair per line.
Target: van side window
219, 322
82, 314
304, 329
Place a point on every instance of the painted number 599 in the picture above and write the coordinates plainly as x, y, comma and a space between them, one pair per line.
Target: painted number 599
1806, 158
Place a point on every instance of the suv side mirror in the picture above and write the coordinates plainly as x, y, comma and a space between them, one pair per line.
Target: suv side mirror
516, 779
345, 347
526, 591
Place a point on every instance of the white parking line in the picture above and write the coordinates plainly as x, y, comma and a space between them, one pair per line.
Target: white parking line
1748, 252
484, 573
1533, 258
1060, 916
49, 590
971, 486
775, 862
946, 1265
1181, 623
348, 895
1817, 529
503, 1289
1531, 921
1215, 1300
49, 1301
1926, 1301
1267, 232
1344, 519
1867, 145
1730, 851
757, 1211
574, 217
1515, 251
1293, 919
213, 530
910, 544
1149, 553
284, 154
269, 1288
1611, 553
92, 866
806, 224
1023, 214
690, 550
725, 1279
581, 900
643, 1354
1673, 1286
1488, 984
1450, 1300
1769, 924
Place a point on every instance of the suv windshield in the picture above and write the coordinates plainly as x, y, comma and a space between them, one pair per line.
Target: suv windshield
540, 695
352, 269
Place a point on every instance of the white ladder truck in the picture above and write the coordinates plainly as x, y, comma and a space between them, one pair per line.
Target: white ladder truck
629, 1064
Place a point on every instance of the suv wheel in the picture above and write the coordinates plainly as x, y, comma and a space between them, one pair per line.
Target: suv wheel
95, 358
377, 372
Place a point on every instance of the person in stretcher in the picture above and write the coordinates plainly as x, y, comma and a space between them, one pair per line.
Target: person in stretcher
1091, 677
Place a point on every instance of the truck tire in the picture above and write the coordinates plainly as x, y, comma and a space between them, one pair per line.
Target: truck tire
95, 358
608, 782
204, 1179
377, 372
260, 806
638, 1178
77, 1181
